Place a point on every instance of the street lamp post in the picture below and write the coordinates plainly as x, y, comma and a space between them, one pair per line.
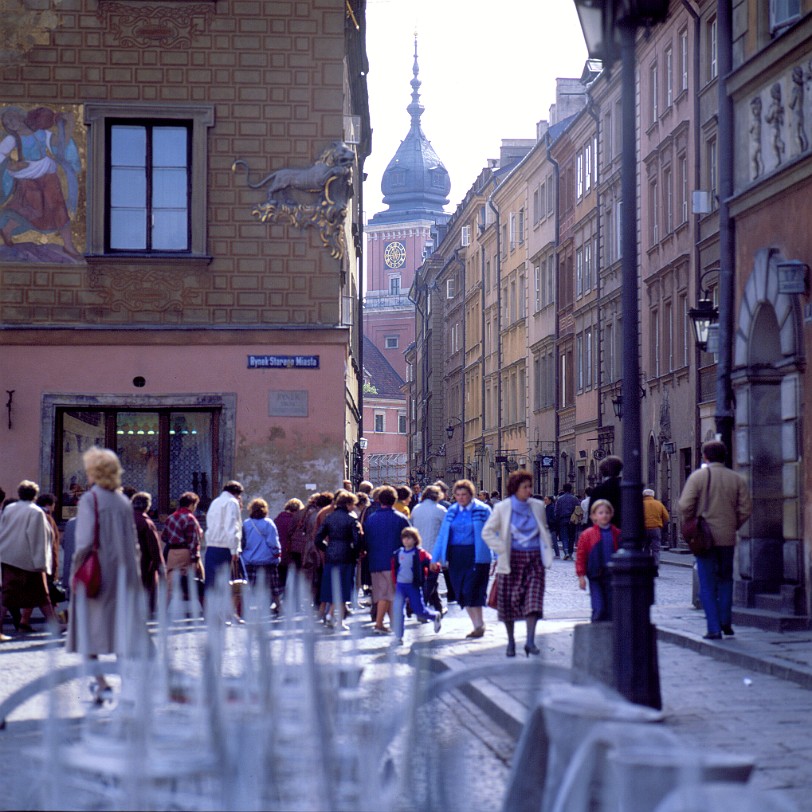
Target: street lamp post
634, 638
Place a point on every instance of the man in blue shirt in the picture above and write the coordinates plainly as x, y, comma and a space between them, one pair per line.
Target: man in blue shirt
381, 538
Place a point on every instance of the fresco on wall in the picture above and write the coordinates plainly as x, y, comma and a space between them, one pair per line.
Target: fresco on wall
41, 180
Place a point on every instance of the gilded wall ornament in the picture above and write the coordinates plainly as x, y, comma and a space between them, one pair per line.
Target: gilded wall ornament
148, 26
315, 196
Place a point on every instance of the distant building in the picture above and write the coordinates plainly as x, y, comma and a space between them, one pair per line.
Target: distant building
415, 188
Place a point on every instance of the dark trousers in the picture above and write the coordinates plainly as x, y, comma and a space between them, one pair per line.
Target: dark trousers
566, 533
431, 594
600, 593
449, 594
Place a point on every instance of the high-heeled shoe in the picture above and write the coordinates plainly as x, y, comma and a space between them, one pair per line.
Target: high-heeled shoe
510, 651
532, 649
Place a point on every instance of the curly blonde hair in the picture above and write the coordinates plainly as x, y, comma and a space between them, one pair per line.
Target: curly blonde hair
103, 468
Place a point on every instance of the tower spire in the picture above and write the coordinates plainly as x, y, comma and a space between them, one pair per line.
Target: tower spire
415, 109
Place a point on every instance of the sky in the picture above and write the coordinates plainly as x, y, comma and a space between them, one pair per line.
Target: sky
488, 71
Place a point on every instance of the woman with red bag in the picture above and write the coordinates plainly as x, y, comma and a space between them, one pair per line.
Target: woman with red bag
105, 520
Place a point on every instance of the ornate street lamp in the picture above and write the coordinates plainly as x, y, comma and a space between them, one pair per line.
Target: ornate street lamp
610, 28
703, 317
617, 406
449, 429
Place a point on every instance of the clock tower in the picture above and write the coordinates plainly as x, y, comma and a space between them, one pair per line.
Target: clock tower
415, 190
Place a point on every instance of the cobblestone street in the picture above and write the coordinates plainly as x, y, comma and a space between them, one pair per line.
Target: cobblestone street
710, 704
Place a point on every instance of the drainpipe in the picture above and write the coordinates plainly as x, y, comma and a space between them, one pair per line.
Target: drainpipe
727, 248
592, 109
456, 257
556, 239
498, 334
697, 181
482, 366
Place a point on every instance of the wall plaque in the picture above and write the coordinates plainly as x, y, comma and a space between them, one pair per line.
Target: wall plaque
287, 403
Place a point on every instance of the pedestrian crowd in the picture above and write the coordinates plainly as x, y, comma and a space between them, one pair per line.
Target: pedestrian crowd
383, 549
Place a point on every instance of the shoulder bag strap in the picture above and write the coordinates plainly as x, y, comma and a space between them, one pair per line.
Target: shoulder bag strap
96, 524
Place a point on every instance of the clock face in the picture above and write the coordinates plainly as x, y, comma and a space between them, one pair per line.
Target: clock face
394, 254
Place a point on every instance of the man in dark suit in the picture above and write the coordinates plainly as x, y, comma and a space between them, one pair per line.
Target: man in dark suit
609, 489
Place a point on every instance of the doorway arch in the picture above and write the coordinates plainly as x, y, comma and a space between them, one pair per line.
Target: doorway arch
766, 377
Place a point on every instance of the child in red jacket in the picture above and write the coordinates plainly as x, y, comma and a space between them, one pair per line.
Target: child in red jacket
595, 547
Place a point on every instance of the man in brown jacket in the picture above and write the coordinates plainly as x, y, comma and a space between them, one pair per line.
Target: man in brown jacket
722, 497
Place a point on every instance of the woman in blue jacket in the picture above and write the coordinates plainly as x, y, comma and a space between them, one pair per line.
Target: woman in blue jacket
459, 545
261, 549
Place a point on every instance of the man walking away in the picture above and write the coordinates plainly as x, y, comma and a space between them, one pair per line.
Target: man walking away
722, 498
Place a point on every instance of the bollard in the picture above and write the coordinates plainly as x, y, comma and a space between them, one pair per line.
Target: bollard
643, 775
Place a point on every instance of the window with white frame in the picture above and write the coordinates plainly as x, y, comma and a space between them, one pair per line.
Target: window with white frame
606, 132
587, 168
713, 171
684, 330
587, 266
450, 288
668, 200
669, 77
653, 212
609, 352
147, 168
537, 288
579, 271
391, 342
668, 336
551, 279
579, 175
542, 201
537, 382
401, 423
619, 230
536, 207
654, 338
550, 195
380, 422
521, 405
683, 59
394, 284
579, 362
654, 94
588, 358
514, 313
522, 296
683, 189
521, 226
512, 230
713, 49
783, 13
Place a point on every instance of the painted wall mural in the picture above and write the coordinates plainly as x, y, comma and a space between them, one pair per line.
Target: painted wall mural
42, 153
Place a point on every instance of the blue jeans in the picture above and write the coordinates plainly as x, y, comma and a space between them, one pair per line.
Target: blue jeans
413, 594
715, 571
600, 594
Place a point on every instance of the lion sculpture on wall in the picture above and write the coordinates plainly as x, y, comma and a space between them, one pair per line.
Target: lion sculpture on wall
316, 195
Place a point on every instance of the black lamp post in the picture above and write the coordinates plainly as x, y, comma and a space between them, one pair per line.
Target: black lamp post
617, 406
610, 28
